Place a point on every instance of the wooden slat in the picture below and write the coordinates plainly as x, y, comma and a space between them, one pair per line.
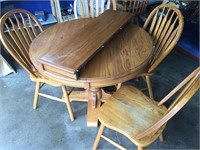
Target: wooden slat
166, 26
153, 23
53, 7
158, 24
160, 51
19, 45
125, 5
137, 6
19, 35
87, 9
58, 10
178, 87
27, 27
164, 37
188, 87
32, 26
140, 7
97, 8
75, 9
143, 5
52, 97
25, 35
167, 40
130, 4
92, 8
12, 48
171, 38
161, 27
81, 8
113, 143
170, 31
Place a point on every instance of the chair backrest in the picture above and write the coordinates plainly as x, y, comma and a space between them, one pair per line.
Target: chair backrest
165, 25
17, 33
192, 84
92, 8
136, 7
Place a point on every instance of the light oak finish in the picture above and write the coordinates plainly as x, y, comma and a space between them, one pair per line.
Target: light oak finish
122, 58
80, 45
165, 25
139, 118
21, 31
91, 8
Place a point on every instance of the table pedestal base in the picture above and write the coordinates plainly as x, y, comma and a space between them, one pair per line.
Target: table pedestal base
94, 97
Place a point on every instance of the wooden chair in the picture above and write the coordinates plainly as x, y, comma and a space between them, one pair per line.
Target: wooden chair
92, 8
18, 30
136, 7
165, 25
139, 118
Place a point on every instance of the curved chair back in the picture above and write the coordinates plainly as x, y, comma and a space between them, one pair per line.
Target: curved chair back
92, 8
192, 84
17, 33
165, 25
136, 7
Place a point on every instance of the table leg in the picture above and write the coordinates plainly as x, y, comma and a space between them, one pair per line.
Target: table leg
94, 102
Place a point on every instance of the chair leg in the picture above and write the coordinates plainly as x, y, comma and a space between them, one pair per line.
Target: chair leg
161, 137
37, 88
118, 86
140, 148
149, 87
66, 97
96, 142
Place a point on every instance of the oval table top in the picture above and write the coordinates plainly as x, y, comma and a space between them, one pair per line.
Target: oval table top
122, 58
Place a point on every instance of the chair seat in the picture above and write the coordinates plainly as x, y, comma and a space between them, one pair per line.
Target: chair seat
130, 112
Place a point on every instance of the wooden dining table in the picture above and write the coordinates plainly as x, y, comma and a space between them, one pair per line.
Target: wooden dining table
119, 57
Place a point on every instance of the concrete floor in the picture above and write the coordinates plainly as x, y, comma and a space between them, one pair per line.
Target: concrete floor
49, 127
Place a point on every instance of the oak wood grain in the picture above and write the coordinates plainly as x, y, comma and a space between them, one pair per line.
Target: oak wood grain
70, 53
124, 57
139, 118
165, 25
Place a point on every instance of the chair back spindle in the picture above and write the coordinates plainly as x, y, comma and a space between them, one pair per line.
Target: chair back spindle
91, 8
165, 25
136, 7
18, 29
